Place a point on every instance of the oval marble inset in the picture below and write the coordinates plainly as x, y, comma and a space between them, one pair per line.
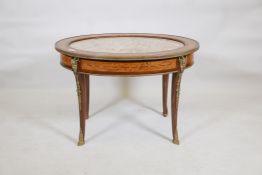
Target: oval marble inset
126, 45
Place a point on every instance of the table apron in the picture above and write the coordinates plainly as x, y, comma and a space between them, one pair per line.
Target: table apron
126, 68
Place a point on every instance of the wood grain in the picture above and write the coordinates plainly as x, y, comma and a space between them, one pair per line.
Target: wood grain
164, 93
133, 68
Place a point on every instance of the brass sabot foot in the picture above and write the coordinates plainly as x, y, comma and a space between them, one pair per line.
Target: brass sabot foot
81, 139
80, 142
164, 114
176, 141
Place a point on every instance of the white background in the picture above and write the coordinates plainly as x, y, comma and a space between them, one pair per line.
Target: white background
220, 108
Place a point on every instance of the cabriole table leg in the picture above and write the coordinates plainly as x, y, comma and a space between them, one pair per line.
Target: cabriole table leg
81, 94
84, 83
164, 93
176, 79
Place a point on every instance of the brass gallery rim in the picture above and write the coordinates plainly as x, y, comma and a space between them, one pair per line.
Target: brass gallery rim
126, 46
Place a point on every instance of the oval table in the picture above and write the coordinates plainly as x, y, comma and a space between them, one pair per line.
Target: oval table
127, 54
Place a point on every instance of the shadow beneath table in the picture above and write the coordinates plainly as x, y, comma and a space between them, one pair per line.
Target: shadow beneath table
105, 107
138, 123
48, 126
128, 119
44, 124
120, 121
145, 106
105, 130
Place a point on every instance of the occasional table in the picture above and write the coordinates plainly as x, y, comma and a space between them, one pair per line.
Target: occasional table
127, 54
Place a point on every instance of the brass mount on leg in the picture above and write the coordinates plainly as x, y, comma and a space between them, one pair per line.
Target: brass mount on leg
182, 64
74, 63
176, 140
81, 140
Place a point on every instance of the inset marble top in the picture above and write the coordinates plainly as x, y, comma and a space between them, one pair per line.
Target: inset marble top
126, 46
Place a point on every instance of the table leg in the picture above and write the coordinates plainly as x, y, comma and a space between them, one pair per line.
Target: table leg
85, 93
164, 93
82, 82
176, 79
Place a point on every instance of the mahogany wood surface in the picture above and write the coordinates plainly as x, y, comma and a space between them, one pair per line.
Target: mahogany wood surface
175, 88
131, 68
164, 95
85, 91
83, 106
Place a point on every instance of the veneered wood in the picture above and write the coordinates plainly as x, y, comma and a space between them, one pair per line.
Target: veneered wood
85, 94
164, 93
83, 110
175, 88
132, 68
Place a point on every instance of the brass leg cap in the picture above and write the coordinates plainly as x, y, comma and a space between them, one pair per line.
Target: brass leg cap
81, 139
164, 114
176, 141
80, 142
